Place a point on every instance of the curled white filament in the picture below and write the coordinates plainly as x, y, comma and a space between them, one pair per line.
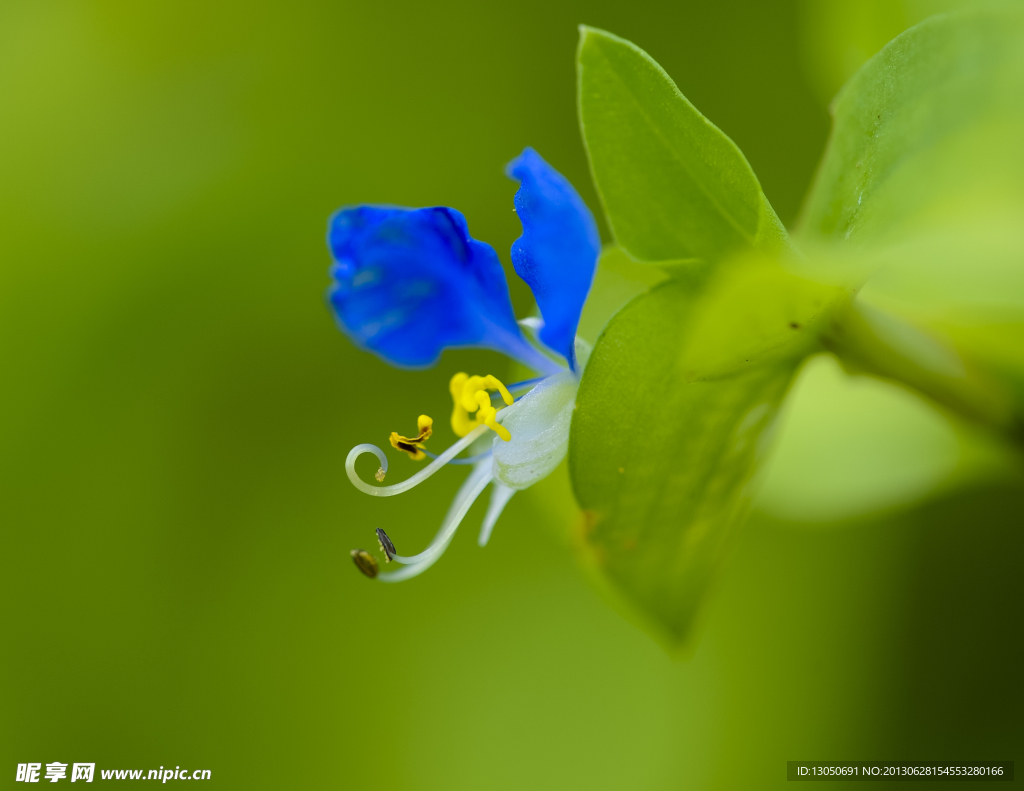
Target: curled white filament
418, 478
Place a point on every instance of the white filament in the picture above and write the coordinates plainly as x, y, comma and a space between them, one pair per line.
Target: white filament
500, 495
474, 484
408, 572
418, 478
471, 488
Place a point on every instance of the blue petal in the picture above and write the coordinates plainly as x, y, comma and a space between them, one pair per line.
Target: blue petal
557, 253
411, 282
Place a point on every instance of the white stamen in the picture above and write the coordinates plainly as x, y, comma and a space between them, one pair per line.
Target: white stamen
471, 488
500, 495
408, 572
418, 478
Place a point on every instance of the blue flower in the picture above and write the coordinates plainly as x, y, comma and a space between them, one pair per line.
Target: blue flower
409, 283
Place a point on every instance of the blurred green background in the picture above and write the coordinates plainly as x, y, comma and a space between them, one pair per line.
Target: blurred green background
176, 406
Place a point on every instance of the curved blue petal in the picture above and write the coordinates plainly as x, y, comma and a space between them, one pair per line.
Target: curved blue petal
557, 253
411, 282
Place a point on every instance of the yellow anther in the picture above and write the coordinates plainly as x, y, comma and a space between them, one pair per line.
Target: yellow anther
470, 387
469, 395
414, 445
486, 415
494, 384
455, 385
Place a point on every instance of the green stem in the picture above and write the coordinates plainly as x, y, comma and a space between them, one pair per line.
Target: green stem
869, 341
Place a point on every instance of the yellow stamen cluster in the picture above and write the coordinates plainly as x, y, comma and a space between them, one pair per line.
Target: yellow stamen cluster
469, 395
413, 445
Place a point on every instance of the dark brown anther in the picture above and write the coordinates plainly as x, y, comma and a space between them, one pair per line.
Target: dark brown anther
385, 545
365, 562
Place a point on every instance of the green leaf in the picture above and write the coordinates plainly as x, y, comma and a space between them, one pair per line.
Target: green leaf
926, 133
923, 179
661, 464
838, 36
672, 184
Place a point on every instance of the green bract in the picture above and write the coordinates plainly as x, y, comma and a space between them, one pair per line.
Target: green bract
660, 463
907, 264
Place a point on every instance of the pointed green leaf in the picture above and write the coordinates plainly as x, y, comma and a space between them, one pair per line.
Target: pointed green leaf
672, 184
924, 180
661, 464
928, 132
